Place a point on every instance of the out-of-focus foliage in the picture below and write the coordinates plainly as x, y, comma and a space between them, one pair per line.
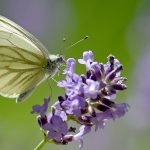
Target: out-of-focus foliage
114, 28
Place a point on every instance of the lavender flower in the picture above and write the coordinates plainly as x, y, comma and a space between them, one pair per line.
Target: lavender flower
56, 128
41, 109
52, 124
88, 100
74, 106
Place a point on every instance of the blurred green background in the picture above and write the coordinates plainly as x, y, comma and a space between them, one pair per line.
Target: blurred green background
121, 28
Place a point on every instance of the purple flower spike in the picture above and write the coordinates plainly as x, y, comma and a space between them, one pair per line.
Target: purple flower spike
119, 110
111, 64
56, 128
82, 131
70, 68
87, 60
74, 106
41, 109
119, 86
99, 121
97, 70
92, 89
88, 100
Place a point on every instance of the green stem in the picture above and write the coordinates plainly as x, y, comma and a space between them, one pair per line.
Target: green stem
41, 144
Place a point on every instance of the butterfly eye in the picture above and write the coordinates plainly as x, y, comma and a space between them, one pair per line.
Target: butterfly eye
62, 59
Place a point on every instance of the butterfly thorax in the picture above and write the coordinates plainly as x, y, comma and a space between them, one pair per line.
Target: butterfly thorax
53, 64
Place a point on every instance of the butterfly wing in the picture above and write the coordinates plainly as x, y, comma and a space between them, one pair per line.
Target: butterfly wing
22, 60
18, 30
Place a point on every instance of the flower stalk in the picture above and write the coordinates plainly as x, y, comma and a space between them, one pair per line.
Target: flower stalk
41, 144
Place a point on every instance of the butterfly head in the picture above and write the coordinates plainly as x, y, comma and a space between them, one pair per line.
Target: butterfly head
57, 60
53, 64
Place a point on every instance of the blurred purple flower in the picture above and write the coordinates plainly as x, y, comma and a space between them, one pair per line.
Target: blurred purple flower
140, 99
118, 110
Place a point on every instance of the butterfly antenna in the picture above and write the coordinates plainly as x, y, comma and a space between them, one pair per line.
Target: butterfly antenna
72, 45
62, 46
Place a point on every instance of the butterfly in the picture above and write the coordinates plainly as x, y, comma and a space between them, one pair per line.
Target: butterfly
24, 61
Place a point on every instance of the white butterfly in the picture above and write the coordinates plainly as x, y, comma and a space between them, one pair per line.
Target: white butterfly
24, 61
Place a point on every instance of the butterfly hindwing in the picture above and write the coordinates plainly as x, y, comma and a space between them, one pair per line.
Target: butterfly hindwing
17, 74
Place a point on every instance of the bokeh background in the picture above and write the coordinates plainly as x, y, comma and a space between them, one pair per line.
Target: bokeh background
121, 28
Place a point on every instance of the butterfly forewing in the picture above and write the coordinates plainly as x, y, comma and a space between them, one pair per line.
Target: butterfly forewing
22, 59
